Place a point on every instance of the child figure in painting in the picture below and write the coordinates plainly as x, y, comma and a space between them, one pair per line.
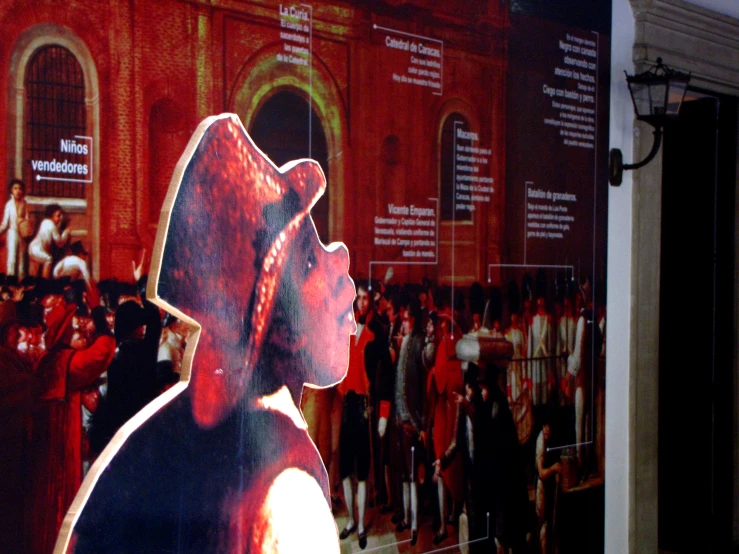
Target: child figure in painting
15, 218
49, 234
226, 465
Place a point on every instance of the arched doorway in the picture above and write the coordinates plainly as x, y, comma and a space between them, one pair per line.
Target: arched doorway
287, 128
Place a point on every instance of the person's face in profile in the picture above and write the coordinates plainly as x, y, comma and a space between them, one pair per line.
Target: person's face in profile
110, 319
391, 313
36, 334
484, 392
363, 301
57, 217
408, 323
322, 312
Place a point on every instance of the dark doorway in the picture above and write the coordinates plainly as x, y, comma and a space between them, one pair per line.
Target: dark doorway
696, 328
287, 128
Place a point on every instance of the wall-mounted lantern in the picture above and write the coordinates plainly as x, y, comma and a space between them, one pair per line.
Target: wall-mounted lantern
657, 95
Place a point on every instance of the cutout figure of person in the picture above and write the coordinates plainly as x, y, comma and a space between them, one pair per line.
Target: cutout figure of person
223, 462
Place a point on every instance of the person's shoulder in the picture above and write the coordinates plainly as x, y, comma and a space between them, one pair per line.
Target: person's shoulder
296, 514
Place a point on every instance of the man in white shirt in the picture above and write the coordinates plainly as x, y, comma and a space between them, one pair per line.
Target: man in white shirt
49, 233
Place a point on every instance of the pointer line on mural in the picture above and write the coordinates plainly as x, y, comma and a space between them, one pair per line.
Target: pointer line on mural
310, 82
525, 221
42, 178
537, 266
379, 28
443, 548
384, 546
439, 54
486, 537
454, 206
394, 262
555, 448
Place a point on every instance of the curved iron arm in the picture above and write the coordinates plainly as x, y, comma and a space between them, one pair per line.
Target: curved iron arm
616, 167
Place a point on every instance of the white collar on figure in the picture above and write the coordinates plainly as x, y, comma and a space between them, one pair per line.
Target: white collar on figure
282, 401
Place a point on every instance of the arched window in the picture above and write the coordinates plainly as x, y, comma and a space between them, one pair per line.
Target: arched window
450, 148
287, 128
55, 112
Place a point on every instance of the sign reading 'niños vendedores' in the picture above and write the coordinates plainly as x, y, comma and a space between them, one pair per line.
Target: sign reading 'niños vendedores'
73, 164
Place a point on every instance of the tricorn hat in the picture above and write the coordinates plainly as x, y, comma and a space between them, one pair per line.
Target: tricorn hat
224, 235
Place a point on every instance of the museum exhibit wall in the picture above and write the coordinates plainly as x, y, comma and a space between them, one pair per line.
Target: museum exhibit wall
379, 140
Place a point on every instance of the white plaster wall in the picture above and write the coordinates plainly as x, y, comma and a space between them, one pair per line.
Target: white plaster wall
619, 289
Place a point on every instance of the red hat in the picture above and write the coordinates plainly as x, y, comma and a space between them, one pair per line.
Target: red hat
57, 322
54, 375
224, 235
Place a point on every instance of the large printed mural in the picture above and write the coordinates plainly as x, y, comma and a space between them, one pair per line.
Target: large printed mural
464, 150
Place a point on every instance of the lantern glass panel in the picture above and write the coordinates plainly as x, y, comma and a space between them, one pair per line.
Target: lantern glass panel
675, 97
642, 99
659, 98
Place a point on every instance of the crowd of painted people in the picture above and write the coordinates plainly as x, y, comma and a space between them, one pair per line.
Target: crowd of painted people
414, 430
411, 427
76, 362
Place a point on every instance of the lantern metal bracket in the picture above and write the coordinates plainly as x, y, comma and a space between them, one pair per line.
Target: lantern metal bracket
616, 165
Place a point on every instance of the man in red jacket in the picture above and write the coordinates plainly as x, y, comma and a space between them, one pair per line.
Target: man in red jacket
55, 450
363, 389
